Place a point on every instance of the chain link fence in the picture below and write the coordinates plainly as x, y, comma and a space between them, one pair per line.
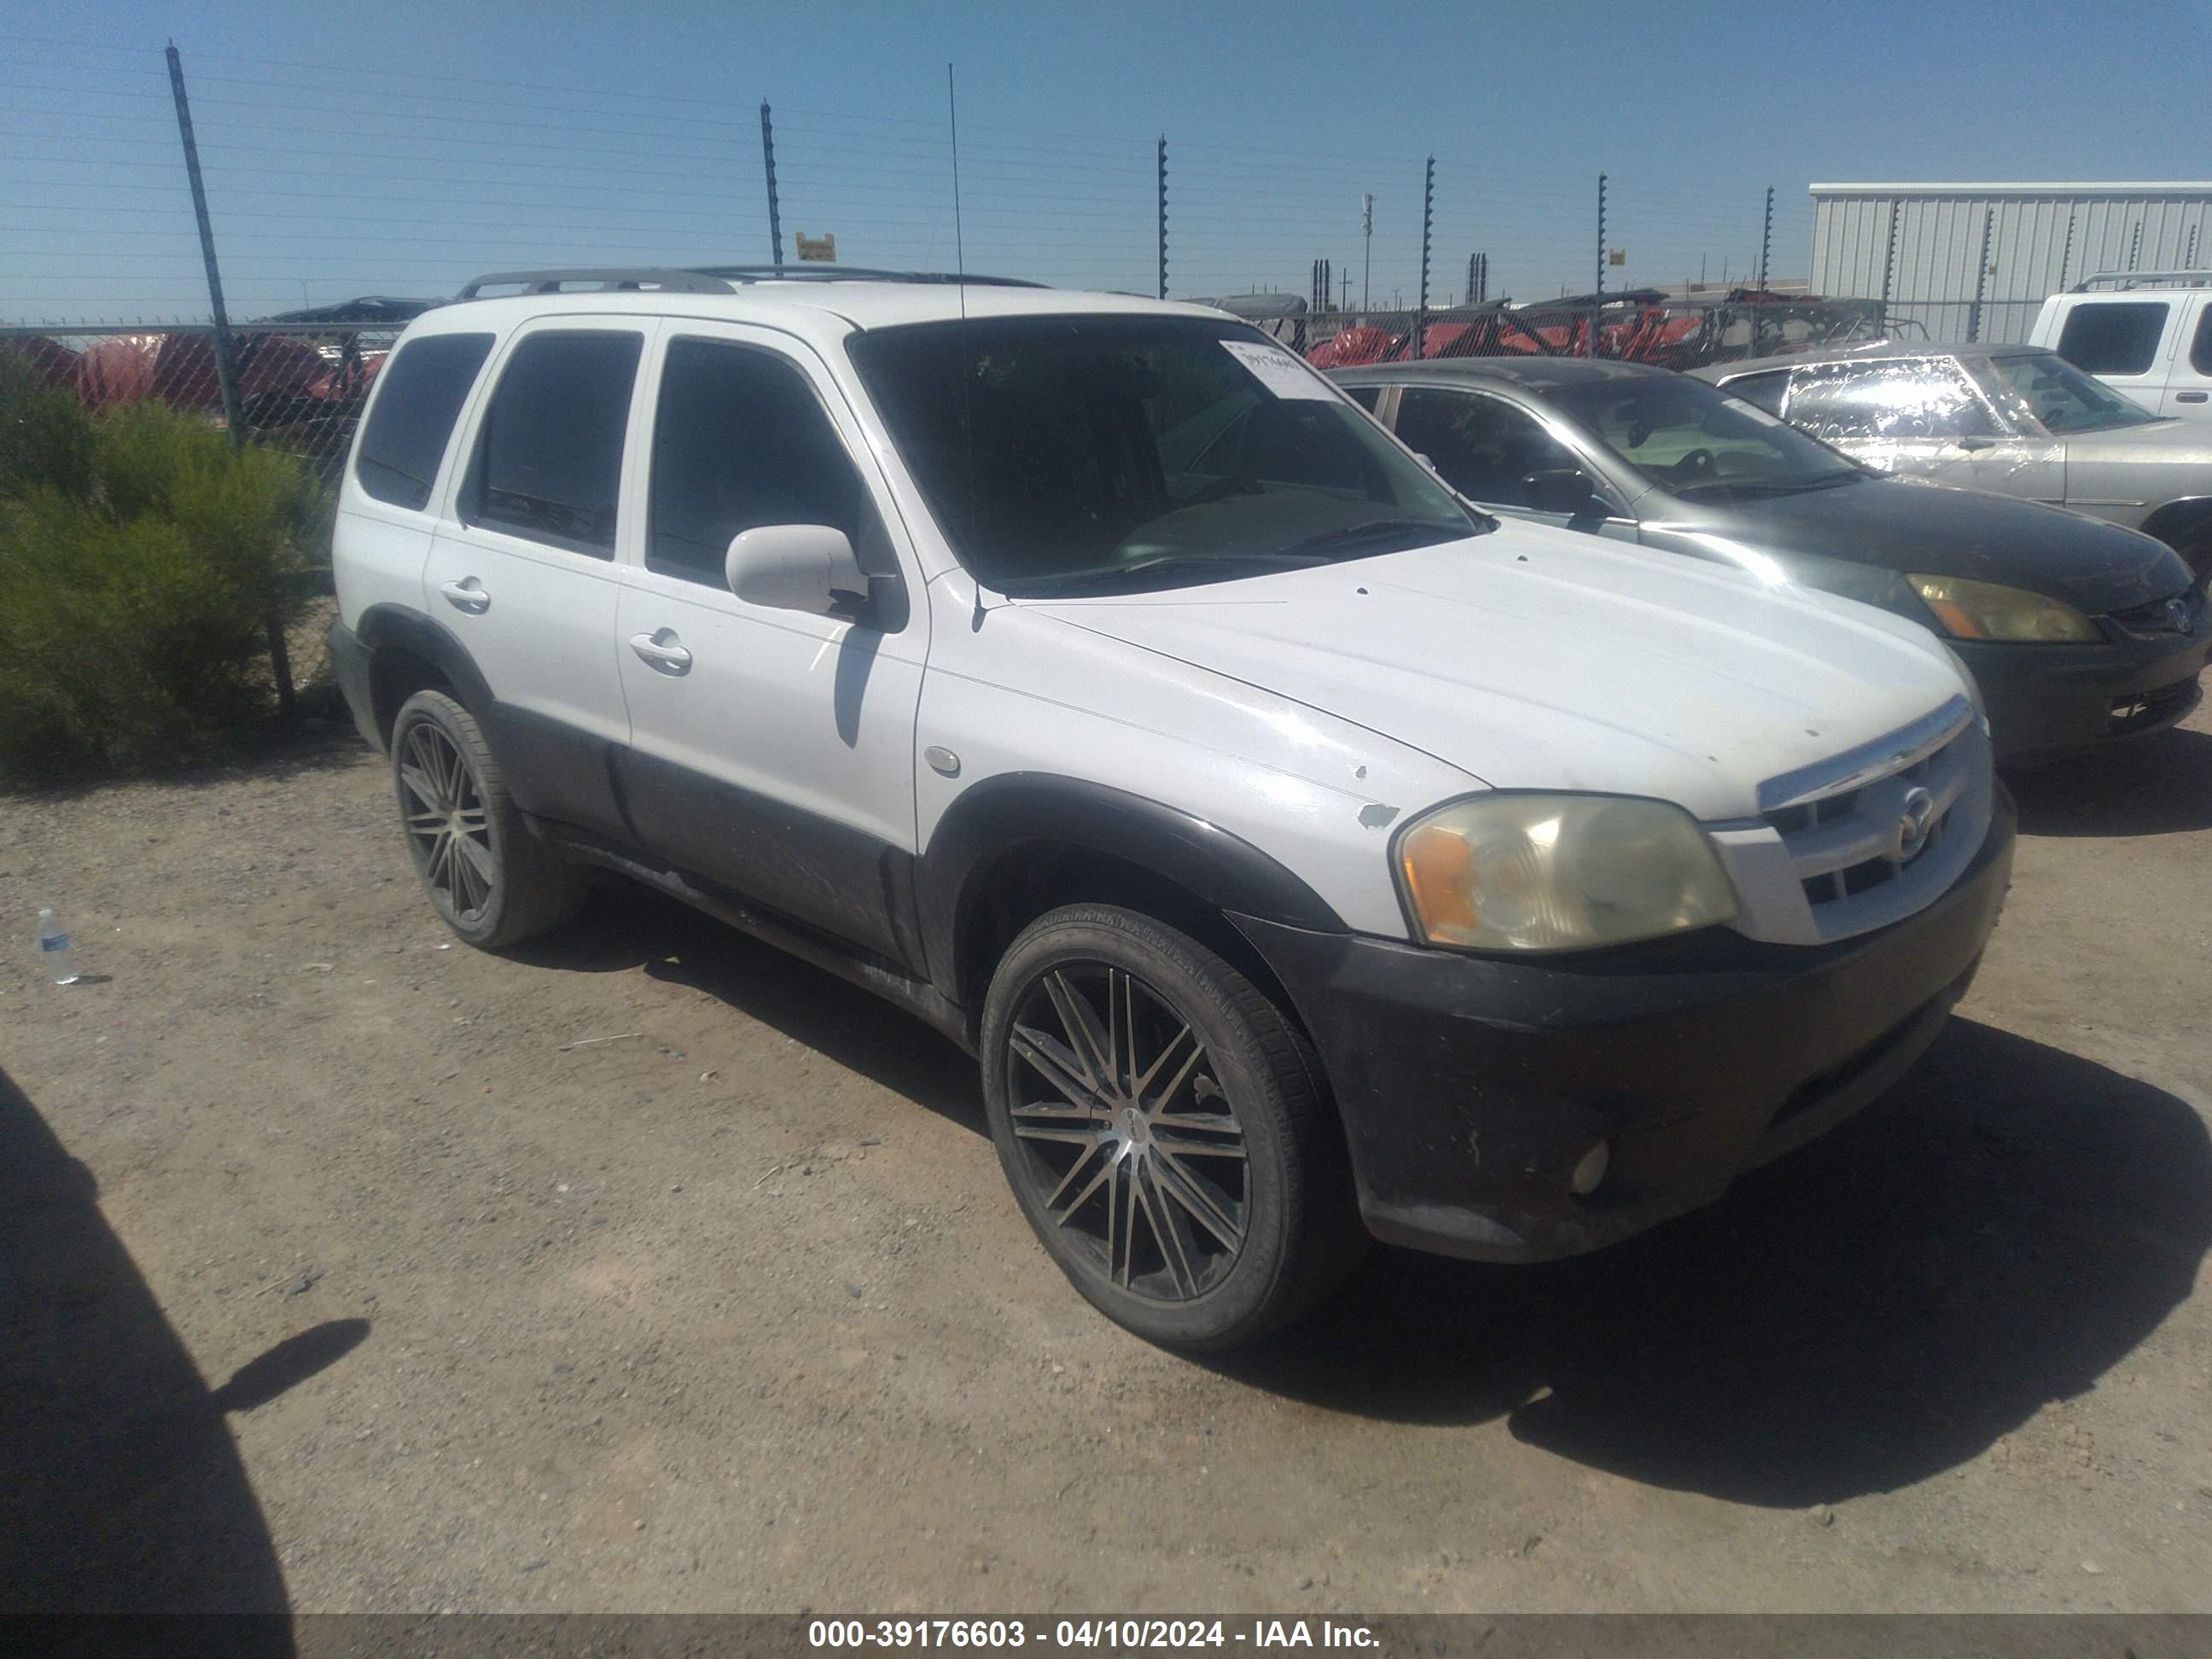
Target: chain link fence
300, 388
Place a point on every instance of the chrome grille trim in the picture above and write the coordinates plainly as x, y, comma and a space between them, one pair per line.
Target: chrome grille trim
1869, 762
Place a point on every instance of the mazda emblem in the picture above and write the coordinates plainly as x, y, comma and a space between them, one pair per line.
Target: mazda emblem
1913, 824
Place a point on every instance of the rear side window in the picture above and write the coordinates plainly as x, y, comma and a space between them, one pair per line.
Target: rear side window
1764, 390
421, 394
2118, 336
1486, 450
1365, 395
548, 455
739, 441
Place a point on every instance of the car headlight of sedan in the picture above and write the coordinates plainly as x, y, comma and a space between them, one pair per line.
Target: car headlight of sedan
1990, 610
1512, 872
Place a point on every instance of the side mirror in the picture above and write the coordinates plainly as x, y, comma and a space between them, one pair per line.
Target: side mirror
798, 567
1563, 489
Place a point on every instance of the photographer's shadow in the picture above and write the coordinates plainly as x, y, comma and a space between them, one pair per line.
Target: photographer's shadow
1998, 1232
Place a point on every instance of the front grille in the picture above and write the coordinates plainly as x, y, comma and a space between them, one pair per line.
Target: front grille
1865, 838
2180, 614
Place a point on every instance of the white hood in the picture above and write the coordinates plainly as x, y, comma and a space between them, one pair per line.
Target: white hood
1535, 658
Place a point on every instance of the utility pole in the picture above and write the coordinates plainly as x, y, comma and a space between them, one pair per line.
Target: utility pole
1367, 274
768, 164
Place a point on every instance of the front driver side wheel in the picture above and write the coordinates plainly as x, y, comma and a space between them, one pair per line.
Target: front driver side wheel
1164, 1128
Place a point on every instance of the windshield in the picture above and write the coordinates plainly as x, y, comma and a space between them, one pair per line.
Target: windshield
2044, 387
1096, 454
1694, 440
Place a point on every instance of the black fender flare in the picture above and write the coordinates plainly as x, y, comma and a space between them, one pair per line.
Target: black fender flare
2184, 512
1000, 813
402, 628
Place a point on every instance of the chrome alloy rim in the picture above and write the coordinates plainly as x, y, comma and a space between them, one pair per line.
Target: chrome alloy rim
1127, 1139
446, 825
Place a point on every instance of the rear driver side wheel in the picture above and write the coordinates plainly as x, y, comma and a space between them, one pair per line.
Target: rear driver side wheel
493, 882
1165, 1130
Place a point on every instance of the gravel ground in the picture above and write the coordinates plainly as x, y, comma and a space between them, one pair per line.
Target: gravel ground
343, 1270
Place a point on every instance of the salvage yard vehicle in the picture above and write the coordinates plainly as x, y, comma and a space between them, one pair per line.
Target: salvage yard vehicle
2017, 420
2078, 632
2145, 333
1304, 855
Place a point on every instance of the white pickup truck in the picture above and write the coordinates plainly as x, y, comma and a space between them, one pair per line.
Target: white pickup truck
2146, 333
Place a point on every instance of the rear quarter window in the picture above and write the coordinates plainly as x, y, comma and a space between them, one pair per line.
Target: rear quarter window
2114, 337
419, 396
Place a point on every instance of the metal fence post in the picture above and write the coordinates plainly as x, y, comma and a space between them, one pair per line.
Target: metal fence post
225, 363
767, 166
1589, 338
2066, 257
1428, 215
1766, 237
1163, 216
1981, 274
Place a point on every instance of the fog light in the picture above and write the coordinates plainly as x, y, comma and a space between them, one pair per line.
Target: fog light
1591, 1170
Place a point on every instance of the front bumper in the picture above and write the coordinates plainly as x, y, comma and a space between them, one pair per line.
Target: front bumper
1470, 1087
2046, 700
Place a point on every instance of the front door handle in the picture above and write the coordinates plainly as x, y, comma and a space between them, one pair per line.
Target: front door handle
661, 650
467, 594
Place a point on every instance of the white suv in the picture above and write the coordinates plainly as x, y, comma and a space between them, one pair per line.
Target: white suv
2147, 334
1297, 847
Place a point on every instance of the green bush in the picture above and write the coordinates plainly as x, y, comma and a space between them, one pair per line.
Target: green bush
138, 572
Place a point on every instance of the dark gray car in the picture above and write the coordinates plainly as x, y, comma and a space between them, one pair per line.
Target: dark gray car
2078, 631
2019, 420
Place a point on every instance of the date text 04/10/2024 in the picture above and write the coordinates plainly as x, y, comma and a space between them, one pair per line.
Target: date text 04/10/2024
1092, 1634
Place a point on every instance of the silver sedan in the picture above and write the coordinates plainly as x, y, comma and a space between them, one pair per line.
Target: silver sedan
2018, 420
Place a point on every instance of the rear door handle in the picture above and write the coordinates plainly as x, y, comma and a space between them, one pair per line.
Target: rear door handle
467, 594
661, 650
2189, 397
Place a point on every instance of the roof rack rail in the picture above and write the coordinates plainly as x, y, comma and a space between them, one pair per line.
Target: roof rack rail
604, 278
853, 274
2127, 279
706, 279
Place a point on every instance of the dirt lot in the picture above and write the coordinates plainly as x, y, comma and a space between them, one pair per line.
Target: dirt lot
334, 1275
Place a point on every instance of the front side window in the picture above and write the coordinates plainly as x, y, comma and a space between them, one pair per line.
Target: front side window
1098, 452
2114, 336
548, 456
418, 399
739, 441
2200, 349
1696, 440
2046, 387
1892, 398
1482, 447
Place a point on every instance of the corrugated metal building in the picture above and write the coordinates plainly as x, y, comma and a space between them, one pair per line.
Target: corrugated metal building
1976, 261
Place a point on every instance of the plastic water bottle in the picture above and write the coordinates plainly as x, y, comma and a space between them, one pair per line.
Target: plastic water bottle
54, 948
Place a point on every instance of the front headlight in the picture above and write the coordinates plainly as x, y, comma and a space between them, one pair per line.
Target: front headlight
1558, 872
1988, 611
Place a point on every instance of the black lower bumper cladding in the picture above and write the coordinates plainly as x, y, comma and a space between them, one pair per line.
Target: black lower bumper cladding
1470, 1088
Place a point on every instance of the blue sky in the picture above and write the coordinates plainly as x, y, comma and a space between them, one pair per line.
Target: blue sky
402, 147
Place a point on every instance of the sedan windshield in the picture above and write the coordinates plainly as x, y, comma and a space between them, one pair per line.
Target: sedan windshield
1695, 440
1123, 453
2044, 387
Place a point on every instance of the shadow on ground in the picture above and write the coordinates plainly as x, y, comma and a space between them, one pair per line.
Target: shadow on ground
279, 750
2157, 786
123, 1491
1998, 1232
625, 926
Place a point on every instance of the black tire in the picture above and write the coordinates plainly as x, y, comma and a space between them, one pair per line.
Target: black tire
1261, 1222
505, 885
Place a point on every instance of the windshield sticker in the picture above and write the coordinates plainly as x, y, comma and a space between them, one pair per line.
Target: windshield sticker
1279, 372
